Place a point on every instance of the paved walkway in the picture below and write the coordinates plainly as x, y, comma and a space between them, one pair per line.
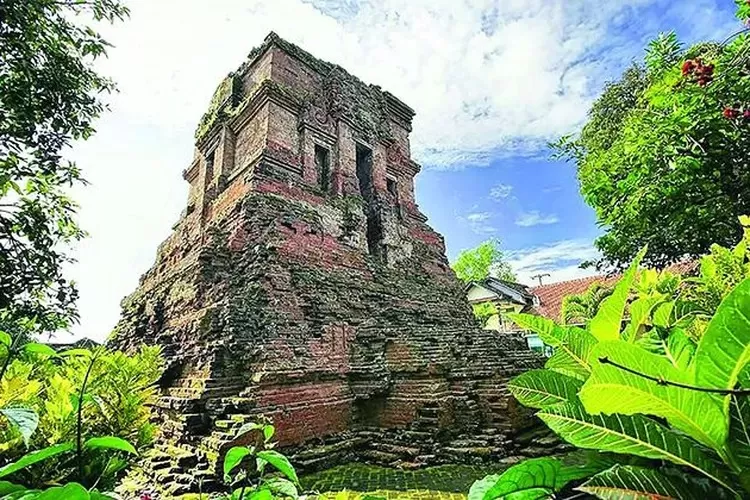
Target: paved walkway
440, 482
392, 495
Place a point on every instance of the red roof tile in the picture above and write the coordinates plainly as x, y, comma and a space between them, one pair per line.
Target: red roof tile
551, 296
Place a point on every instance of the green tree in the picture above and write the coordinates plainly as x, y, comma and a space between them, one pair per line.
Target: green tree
663, 158
49, 96
485, 260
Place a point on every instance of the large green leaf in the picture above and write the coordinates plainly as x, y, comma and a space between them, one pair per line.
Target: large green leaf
625, 482
633, 435
550, 333
662, 316
611, 389
35, 457
234, 457
540, 388
280, 462
481, 486
532, 478
110, 442
7, 488
24, 420
679, 349
262, 494
724, 349
71, 491
739, 429
281, 486
41, 350
640, 314
572, 353
608, 320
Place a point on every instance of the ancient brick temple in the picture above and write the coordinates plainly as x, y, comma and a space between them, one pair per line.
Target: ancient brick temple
303, 283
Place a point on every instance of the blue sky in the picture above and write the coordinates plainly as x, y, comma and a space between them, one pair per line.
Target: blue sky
530, 202
491, 81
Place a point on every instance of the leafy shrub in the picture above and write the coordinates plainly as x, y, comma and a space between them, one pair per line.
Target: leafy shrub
82, 412
250, 478
648, 391
483, 312
662, 159
580, 308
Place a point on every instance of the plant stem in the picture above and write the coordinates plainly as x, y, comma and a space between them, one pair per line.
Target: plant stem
79, 422
661, 381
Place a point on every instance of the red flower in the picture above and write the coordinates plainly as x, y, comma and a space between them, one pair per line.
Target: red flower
746, 113
689, 65
730, 113
146, 496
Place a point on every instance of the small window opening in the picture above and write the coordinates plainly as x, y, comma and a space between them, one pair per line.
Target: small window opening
210, 165
364, 174
390, 184
364, 169
323, 167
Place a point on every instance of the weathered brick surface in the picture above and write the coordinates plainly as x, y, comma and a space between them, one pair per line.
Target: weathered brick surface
331, 309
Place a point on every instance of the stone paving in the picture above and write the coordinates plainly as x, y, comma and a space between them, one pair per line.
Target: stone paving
440, 482
392, 495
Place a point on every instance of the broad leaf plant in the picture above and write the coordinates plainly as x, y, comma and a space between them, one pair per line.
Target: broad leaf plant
669, 412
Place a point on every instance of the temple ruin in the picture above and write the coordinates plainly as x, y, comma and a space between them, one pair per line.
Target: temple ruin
302, 283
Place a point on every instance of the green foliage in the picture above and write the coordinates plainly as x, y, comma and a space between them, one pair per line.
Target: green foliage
50, 96
662, 53
719, 273
619, 483
536, 478
643, 389
580, 308
36, 457
485, 260
256, 482
541, 388
484, 311
608, 320
663, 157
81, 412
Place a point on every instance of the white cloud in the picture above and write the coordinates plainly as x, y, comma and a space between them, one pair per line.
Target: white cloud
560, 260
486, 77
506, 75
478, 217
501, 191
534, 218
479, 223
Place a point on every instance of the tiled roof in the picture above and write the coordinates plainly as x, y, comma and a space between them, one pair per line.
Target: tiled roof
550, 296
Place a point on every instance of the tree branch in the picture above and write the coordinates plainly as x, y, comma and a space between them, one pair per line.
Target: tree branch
662, 381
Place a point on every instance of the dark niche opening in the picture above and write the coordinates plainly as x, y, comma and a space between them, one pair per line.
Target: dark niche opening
323, 167
210, 165
364, 169
374, 223
391, 185
369, 410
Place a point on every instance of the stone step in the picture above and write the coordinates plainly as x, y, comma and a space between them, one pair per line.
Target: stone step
402, 451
